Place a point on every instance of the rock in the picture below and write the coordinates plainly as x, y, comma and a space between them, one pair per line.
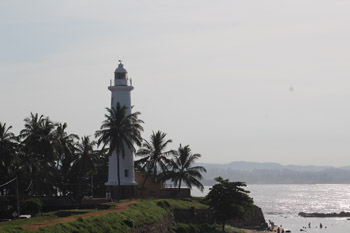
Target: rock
324, 215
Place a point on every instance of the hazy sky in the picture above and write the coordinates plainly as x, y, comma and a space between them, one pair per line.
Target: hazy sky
252, 80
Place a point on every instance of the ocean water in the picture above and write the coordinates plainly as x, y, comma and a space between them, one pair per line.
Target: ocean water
282, 203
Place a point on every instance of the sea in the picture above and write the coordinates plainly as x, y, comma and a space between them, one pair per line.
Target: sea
282, 203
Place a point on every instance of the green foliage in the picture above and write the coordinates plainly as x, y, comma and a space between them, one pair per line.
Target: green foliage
187, 228
42, 155
164, 204
31, 206
6, 209
203, 228
8, 158
183, 171
129, 223
228, 200
233, 229
144, 213
154, 155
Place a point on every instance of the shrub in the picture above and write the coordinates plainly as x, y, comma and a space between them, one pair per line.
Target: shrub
164, 204
129, 223
187, 228
5, 208
31, 206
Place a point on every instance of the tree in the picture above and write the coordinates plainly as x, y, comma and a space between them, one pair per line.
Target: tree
38, 145
181, 169
8, 144
84, 165
66, 154
229, 200
155, 155
100, 177
120, 131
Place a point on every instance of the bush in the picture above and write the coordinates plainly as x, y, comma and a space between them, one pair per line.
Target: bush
164, 204
31, 206
129, 223
6, 209
187, 228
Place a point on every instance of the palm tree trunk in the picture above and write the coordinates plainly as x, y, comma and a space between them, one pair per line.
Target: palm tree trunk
92, 185
119, 187
179, 185
179, 189
143, 183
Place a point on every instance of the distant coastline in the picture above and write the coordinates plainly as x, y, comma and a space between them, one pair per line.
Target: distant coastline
275, 173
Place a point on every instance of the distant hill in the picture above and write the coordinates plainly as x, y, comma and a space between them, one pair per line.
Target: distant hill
275, 173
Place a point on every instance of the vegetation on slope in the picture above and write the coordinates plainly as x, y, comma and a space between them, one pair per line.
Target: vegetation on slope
144, 213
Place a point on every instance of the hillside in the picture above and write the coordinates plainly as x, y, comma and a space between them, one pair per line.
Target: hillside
275, 173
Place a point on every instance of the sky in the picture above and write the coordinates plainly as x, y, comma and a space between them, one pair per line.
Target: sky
237, 80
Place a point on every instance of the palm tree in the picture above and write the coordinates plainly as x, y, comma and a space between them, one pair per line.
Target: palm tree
8, 144
182, 170
66, 154
65, 144
38, 144
120, 131
155, 155
84, 165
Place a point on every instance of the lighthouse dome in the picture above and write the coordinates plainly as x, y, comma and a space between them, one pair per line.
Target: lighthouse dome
120, 69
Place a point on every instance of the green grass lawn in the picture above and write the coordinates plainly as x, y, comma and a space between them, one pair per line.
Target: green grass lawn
22, 222
44, 217
143, 213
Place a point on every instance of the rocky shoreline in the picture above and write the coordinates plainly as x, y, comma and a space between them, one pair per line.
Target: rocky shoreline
324, 215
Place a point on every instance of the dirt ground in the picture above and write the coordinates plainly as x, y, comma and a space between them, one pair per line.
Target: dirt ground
120, 206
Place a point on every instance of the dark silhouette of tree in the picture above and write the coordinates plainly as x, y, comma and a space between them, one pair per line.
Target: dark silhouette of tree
38, 145
65, 149
229, 200
120, 131
101, 175
182, 170
84, 165
155, 156
8, 147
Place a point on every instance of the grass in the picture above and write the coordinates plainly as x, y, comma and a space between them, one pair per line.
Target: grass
22, 222
44, 217
144, 213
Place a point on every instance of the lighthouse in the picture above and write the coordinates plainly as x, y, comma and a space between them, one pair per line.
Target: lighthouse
120, 93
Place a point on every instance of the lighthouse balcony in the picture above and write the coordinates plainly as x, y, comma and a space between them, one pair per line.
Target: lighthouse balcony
120, 82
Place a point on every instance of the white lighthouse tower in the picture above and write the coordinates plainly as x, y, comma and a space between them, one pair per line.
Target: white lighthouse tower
121, 93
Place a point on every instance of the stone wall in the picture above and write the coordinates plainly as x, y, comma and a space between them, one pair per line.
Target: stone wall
255, 221
201, 216
195, 216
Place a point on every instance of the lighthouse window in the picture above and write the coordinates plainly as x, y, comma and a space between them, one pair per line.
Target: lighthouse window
120, 76
126, 172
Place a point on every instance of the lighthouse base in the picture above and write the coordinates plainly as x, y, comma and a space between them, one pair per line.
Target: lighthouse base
126, 192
